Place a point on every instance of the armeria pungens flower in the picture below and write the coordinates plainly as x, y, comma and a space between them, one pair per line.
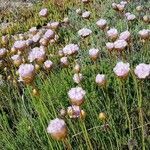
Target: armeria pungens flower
76, 95
100, 79
142, 70
26, 73
84, 32
57, 128
122, 69
71, 49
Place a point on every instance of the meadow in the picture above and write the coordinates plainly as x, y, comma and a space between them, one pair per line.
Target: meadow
75, 75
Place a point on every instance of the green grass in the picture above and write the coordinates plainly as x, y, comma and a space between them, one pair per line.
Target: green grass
24, 117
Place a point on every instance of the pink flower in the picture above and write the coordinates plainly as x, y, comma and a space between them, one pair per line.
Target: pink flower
77, 78
102, 23
100, 79
112, 33
77, 95
70, 49
43, 12
48, 64
122, 69
142, 70
84, 32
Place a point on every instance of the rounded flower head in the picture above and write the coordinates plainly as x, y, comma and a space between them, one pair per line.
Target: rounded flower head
64, 61
122, 69
43, 12
74, 111
144, 34
33, 30
86, 14
53, 25
20, 45
77, 95
79, 11
48, 64
142, 70
71, 49
37, 54
17, 60
77, 68
26, 73
84, 32
36, 38
49, 34
94, 53
77, 78
57, 128
125, 36
110, 46
112, 34
120, 45
100, 79
102, 23
131, 17
120, 7
3, 52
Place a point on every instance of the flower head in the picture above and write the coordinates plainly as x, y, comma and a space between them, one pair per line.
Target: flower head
84, 32
77, 78
43, 12
3, 52
142, 70
70, 49
37, 53
120, 45
76, 95
112, 33
94, 53
26, 72
101, 23
86, 14
20, 45
122, 69
125, 36
57, 128
48, 64
100, 79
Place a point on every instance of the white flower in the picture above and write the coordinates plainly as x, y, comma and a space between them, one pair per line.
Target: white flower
120, 44
79, 11
20, 45
127, 14
48, 64
49, 34
120, 7
43, 12
64, 61
26, 70
86, 14
36, 54
122, 69
3, 51
100, 79
110, 46
70, 49
112, 33
101, 23
123, 2
94, 53
144, 34
77, 78
33, 30
57, 128
131, 17
142, 70
84, 32
36, 38
16, 57
77, 95
53, 25
125, 35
